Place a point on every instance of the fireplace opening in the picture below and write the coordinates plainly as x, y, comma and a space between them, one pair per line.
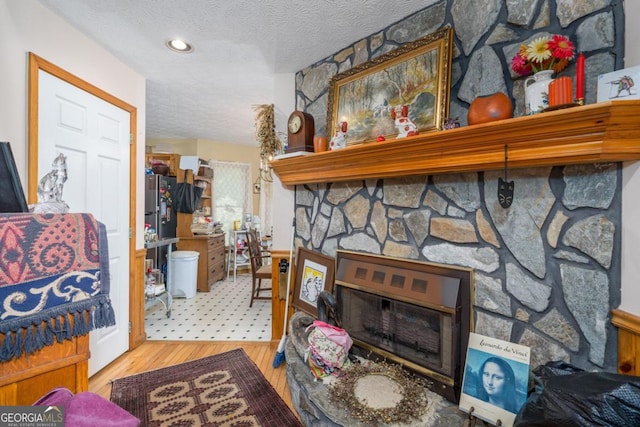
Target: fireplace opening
411, 332
414, 313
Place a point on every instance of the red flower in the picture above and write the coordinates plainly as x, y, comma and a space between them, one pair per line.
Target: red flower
520, 65
561, 47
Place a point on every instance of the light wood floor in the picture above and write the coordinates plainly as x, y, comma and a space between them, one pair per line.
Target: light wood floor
159, 354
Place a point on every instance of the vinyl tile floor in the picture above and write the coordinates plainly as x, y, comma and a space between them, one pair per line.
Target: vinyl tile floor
222, 314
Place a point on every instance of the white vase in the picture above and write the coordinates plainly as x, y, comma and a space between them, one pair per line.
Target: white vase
536, 92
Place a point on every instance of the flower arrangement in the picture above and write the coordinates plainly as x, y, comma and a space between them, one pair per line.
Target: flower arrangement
543, 53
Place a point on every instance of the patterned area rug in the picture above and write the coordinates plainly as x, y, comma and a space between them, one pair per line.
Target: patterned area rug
227, 389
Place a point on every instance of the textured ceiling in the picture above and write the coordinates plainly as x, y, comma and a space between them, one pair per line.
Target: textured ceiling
239, 48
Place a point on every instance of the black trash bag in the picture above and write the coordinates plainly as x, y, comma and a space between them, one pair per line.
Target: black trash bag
187, 196
565, 395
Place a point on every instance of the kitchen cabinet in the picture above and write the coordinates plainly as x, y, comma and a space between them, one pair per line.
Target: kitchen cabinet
169, 159
211, 265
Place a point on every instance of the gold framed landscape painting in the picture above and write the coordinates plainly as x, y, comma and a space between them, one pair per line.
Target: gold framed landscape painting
416, 75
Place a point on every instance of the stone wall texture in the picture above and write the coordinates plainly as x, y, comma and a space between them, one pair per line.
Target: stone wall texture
547, 269
488, 33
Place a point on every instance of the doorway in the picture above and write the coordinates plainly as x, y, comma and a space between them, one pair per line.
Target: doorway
97, 133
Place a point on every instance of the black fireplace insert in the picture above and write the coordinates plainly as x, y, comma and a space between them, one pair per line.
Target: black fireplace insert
414, 313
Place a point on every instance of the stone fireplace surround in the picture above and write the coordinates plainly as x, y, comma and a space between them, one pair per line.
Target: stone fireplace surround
547, 269
536, 261
487, 34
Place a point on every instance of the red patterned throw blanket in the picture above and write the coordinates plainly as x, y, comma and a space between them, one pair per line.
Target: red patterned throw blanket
54, 280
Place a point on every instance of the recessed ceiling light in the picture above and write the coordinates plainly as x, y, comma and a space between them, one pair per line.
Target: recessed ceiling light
180, 46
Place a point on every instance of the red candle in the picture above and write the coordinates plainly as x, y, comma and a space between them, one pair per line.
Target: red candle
580, 78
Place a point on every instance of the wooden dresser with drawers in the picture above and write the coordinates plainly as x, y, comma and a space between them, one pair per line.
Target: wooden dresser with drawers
211, 248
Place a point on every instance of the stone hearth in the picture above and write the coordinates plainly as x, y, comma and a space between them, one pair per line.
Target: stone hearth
311, 397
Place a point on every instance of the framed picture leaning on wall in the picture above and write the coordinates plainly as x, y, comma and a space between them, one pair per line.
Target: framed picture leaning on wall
619, 85
315, 272
496, 379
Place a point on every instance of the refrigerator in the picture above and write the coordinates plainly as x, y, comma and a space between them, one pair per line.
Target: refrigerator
159, 214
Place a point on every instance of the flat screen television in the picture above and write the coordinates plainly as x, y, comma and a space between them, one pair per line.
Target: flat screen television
11, 195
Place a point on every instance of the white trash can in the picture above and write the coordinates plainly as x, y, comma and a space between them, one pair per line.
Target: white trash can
184, 273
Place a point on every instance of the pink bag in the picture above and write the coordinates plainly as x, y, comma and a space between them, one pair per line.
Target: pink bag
87, 409
328, 348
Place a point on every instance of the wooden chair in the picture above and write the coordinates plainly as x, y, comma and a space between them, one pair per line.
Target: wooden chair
259, 269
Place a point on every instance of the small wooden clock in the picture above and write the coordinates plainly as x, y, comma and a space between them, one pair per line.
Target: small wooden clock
300, 131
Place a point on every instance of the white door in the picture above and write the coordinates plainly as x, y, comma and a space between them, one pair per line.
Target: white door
94, 136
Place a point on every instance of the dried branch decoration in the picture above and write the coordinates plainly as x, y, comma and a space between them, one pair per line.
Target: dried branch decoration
266, 131
412, 406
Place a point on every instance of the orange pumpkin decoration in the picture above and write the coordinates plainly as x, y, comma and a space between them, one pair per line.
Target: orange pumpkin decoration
489, 108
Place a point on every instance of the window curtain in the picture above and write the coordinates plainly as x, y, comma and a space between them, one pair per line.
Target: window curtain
232, 193
266, 198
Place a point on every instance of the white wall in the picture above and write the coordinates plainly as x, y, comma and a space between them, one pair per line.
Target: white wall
283, 196
631, 184
27, 26
632, 32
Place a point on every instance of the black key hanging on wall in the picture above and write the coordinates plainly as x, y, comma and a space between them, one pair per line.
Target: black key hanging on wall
505, 188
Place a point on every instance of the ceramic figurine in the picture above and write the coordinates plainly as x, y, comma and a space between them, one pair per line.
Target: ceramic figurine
404, 124
339, 140
50, 188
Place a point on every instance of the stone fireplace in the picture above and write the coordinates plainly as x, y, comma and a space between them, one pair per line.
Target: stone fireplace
547, 270
417, 314
534, 263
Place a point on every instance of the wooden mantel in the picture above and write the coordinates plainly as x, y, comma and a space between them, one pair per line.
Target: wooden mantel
603, 132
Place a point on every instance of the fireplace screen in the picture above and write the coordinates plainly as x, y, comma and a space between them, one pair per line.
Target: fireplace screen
417, 314
418, 334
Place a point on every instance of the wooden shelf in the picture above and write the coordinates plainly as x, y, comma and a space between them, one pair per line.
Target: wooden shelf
185, 220
603, 132
171, 160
